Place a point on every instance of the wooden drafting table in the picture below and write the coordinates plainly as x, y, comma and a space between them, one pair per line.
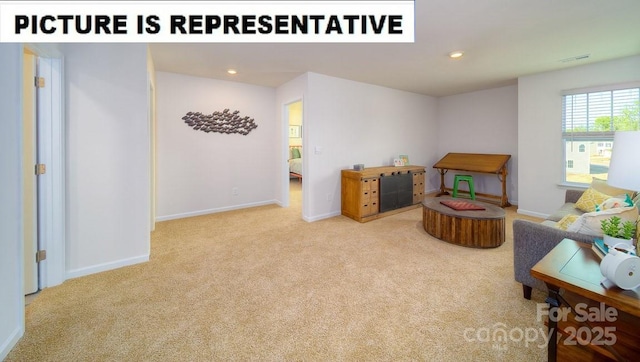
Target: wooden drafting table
476, 162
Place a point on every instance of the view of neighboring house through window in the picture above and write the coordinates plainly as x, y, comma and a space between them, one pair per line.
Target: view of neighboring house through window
589, 121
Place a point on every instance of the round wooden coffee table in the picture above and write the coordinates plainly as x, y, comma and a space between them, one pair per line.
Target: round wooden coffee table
472, 228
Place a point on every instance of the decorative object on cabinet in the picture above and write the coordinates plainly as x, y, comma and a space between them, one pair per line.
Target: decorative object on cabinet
405, 160
376, 192
220, 122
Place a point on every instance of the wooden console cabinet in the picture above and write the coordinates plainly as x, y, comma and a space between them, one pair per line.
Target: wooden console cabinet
381, 191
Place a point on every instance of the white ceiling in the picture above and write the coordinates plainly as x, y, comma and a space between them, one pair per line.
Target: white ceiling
502, 40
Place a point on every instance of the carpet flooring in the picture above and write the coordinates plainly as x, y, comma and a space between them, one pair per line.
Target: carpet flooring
261, 284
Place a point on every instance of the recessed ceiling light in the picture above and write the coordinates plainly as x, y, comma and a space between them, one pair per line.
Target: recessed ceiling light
455, 55
232, 71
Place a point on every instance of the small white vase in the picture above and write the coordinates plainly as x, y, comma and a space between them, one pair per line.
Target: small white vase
610, 241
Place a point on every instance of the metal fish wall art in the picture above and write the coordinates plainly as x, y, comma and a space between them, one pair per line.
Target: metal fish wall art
220, 122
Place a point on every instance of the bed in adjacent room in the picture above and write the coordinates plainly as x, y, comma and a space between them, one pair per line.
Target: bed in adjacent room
295, 162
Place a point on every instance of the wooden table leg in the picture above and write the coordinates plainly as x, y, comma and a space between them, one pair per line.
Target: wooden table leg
504, 202
443, 190
554, 303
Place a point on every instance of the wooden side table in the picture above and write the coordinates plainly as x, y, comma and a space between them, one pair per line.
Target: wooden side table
593, 323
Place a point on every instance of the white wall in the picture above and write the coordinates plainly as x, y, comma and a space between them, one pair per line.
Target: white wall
11, 297
197, 171
347, 122
485, 121
539, 117
108, 157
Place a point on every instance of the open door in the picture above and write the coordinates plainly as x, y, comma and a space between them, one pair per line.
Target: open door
43, 171
29, 160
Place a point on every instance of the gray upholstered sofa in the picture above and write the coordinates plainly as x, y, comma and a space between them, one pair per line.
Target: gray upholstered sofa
533, 240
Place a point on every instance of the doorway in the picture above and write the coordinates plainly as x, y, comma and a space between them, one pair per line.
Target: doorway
294, 121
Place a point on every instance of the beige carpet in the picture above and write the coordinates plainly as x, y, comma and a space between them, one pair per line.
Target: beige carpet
261, 284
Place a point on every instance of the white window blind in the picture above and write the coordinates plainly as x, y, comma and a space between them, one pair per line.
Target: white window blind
597, 115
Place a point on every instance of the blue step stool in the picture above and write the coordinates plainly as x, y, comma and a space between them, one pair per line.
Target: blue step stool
469, 180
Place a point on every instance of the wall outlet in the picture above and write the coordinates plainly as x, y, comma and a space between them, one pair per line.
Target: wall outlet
329, 197
234, 191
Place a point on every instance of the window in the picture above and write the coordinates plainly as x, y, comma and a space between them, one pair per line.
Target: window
589, 121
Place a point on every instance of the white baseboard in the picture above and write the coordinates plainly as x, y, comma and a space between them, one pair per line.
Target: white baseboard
215, 210
533, 213
321, 217
76, 273
10, 342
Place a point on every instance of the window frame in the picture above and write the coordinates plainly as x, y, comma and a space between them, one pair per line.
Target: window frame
584, 112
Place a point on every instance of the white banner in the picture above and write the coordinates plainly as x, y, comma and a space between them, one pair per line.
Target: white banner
207, 21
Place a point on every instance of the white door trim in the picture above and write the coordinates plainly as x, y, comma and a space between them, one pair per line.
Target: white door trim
51, 151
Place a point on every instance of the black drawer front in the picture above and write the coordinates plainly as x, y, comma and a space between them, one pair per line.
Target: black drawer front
396, 191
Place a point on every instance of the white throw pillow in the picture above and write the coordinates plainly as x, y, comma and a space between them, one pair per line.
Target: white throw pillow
589, 223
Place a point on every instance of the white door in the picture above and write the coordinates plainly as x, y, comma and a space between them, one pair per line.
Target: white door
30, 208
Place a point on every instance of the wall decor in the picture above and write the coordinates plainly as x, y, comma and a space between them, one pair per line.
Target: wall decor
295, 131
221, 122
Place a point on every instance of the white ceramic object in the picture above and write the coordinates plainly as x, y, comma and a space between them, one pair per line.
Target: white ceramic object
610, 241
621, 269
